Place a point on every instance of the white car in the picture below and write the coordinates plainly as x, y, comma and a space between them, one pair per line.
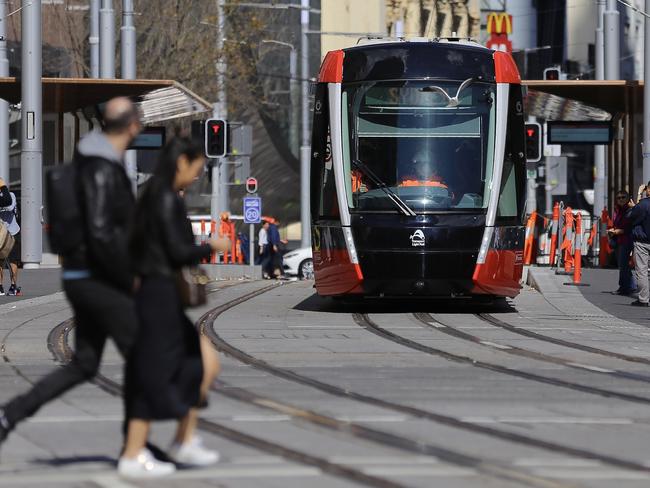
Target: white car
299, 263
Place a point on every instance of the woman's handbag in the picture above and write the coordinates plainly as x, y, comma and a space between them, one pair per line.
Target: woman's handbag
192, 282
7, 241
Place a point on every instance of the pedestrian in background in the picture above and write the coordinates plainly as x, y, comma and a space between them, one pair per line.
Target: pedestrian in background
263, 245
621, 235
165, 370
639, 216
9, 218
97, 277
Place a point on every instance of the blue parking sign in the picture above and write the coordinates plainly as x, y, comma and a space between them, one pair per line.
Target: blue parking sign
252, 210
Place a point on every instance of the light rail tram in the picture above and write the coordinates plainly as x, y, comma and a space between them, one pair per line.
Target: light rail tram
418, 171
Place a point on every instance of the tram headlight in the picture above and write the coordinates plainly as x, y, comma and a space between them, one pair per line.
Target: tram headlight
349, 243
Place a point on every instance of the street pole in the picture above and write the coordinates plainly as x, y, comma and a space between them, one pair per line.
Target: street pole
107, 40
600, 190
31, 157
305, 231
294, 136
646, 98
4, 106
93, 38
128, 71
219, 197
612, 41
251, 249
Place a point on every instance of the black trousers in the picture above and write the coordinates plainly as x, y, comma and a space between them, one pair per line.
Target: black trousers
101, 312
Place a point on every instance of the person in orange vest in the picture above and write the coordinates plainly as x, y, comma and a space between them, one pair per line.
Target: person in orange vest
423, 171
227, 230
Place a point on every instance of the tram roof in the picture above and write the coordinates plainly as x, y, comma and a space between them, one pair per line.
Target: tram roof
613, 96
159, 99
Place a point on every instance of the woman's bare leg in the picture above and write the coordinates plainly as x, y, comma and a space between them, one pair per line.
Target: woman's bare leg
186, 427
211, 365
136, 437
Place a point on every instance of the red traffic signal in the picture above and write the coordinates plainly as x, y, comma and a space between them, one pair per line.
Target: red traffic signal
533, 142
216, 138
251, 185
553, 74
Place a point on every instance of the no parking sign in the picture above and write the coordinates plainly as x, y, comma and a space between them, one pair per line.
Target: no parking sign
252, 210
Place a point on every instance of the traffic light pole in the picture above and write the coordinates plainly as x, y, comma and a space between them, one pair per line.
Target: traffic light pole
128, 68
4, 106
305, 151
219, 195
31, 157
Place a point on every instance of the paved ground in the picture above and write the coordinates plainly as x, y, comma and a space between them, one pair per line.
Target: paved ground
382, 393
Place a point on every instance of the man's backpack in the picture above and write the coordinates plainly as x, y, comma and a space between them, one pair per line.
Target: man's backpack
6, 241
64, 216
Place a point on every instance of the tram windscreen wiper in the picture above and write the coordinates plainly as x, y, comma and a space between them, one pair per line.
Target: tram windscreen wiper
399, 203
451, 101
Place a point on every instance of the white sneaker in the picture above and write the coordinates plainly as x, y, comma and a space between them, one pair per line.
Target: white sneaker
144, 466
192, 453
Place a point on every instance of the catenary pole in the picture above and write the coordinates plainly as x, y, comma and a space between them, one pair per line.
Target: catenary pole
107, 40
93, 38
128, 72
31, 157
612, 41
294, 135
646, 98
600, 191
305, 231
4, 106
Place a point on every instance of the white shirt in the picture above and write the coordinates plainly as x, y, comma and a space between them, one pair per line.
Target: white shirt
8, 216
263, 237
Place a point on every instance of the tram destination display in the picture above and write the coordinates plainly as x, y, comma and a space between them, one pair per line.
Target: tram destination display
590, 132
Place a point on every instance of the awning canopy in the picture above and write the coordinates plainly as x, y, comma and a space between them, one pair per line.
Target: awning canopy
613, 96
159, 99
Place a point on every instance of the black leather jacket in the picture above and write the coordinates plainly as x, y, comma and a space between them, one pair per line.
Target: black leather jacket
163, 241
107, 207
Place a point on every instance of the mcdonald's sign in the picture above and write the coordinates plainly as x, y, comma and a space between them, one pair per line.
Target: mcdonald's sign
499, 23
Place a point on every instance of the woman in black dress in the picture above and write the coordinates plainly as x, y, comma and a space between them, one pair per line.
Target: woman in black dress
164, 371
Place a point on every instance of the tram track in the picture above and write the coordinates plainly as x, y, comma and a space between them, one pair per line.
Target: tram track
57, 341
364, 321
441, 326
491, 319
207, 322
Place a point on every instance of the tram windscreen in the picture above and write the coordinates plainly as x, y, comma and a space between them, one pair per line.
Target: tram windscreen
430, 142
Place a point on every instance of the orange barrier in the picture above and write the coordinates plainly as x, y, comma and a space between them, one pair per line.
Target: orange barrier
577, 260
240, 255
554, 229
529, 242
605, 250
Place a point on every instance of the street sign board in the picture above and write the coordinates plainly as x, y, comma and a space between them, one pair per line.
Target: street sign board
252, 210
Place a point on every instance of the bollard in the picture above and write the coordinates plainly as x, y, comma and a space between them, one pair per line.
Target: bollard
577, 268
529, 242
554, 229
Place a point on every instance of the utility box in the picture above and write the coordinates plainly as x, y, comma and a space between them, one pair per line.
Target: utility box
240, 140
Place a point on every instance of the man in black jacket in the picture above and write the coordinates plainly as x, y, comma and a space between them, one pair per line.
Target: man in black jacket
639, 215
5, 196
97, 276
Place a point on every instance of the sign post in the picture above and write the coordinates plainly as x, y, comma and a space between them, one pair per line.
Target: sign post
252, 215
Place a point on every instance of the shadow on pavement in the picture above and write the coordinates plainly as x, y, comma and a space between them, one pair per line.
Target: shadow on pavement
316, 303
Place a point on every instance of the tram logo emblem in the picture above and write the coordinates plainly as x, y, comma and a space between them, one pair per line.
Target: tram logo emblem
417, 238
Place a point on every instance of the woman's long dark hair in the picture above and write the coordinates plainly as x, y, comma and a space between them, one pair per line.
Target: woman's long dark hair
162, 180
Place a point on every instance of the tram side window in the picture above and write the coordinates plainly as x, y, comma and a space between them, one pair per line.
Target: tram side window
511, 187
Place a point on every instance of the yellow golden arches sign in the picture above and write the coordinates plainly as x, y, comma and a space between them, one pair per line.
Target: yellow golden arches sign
499, 23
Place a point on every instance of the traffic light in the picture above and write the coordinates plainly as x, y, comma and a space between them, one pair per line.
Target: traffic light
553, 73
533, 142
216, 135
